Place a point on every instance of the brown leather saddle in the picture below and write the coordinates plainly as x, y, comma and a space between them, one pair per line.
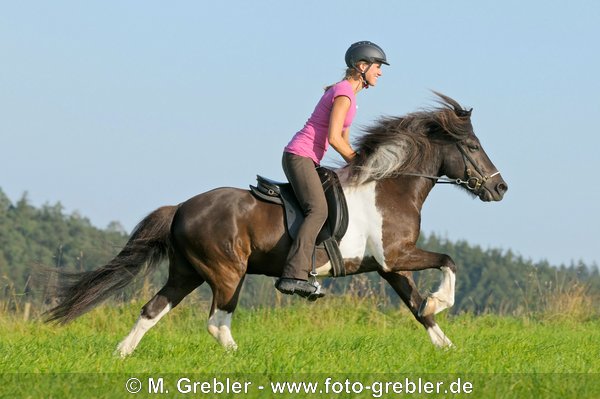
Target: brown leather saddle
337, 222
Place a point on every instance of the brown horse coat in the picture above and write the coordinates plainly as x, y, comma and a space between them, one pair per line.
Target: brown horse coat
220, 236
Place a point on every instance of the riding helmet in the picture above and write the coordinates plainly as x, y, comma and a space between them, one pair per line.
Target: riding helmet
364, 51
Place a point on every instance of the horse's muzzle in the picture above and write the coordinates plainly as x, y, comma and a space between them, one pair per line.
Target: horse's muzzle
494, 193
501, 188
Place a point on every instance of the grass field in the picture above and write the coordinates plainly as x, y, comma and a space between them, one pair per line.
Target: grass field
353, 343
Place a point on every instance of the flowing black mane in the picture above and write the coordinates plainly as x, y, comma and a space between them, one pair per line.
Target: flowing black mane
399, 144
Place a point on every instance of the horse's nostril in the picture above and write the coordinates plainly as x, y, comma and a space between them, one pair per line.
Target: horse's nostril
501, 188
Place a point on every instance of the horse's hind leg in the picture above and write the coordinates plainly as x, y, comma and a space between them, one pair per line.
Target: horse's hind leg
177, 287
404, 285
225, 298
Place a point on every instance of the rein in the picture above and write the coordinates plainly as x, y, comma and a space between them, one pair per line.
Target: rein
473, 183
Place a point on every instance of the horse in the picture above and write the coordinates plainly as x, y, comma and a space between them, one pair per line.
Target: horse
220, 236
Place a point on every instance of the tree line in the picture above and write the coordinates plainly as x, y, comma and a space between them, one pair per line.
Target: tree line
489, 280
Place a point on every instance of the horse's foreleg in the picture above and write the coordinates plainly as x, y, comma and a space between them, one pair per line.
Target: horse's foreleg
404, 285
416, 259
166, 299
443, 298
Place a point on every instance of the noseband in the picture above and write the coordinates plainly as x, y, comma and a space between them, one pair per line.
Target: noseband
473, 183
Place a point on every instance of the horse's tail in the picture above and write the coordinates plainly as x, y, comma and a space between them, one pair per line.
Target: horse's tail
148, 245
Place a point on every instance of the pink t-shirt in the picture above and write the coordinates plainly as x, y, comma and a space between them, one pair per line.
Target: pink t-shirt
312, 141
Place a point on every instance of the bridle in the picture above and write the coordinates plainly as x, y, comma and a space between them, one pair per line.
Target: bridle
473, 183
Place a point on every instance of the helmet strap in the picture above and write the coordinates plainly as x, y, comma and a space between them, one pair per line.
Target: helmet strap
363, 76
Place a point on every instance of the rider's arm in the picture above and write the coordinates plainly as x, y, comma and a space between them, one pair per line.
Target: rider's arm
346, 135
339, 138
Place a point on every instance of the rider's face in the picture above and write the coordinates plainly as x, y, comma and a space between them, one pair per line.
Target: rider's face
374, 73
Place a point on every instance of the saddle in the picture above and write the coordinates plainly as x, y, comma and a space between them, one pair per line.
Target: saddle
337, 222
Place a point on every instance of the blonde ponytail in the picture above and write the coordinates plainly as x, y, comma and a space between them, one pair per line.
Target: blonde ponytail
351, 73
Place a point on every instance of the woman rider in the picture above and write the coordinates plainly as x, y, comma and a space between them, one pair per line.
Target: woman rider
329, 124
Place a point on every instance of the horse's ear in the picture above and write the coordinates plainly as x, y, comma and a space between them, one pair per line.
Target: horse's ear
461, 113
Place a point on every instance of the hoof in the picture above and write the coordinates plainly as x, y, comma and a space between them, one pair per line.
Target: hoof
438, 338
122, 352
230, 347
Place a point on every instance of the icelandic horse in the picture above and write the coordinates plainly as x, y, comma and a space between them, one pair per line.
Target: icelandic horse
221, 235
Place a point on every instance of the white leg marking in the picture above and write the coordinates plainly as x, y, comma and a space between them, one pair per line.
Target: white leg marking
438, 338
142, 325
213, 325
219, 326
445, 293
443, 298
225, 337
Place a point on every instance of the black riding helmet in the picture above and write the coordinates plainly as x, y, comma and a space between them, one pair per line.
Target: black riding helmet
364, 51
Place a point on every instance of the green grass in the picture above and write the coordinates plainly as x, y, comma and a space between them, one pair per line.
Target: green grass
502, 356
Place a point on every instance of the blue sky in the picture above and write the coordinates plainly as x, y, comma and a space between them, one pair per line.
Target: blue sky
116, 108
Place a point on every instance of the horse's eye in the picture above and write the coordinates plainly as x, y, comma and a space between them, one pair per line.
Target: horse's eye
473, 147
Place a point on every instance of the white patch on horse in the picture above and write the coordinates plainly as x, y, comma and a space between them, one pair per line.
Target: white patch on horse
438, 338
219, 326
325, 270
364, 237
141, 327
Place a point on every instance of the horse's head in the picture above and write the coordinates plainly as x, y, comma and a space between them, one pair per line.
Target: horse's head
440, 141
463, 157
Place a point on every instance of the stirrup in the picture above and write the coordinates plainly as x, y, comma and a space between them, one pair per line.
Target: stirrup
318, 293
